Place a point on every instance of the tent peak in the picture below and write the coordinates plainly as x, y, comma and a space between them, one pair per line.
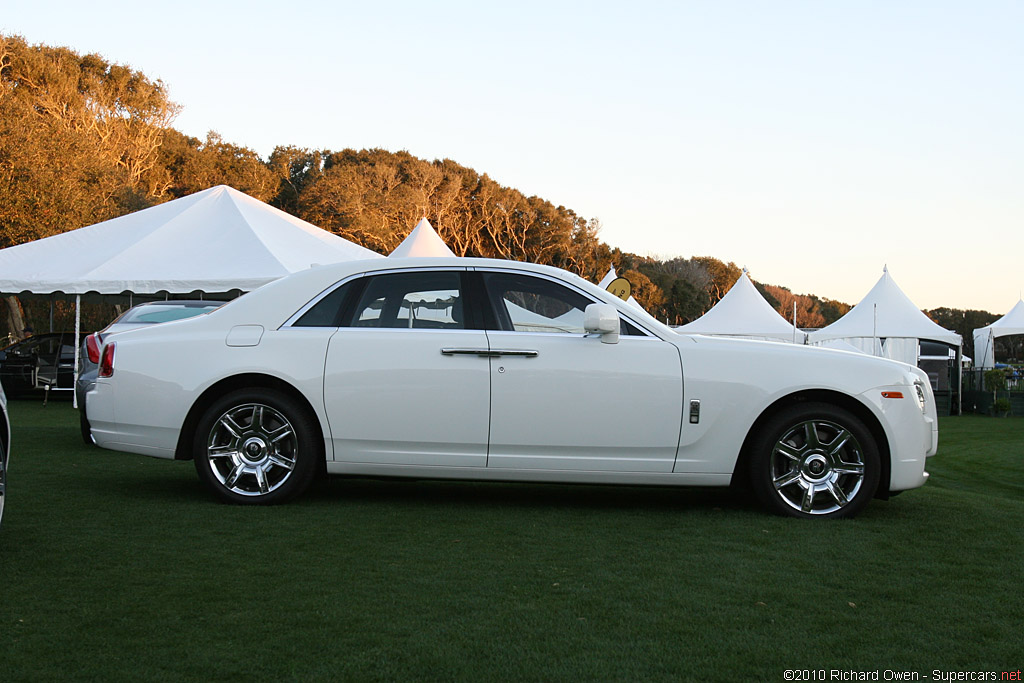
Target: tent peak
422, 241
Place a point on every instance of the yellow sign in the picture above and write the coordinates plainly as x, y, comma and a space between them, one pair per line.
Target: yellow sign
620, 287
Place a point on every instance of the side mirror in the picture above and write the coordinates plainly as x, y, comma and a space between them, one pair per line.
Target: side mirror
602, 319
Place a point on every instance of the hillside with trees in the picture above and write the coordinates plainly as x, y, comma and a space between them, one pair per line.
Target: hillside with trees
84, 140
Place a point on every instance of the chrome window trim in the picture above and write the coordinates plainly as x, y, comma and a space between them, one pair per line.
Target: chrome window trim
290, 323
643, 328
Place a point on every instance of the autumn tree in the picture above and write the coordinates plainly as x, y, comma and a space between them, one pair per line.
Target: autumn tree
77, 135
723, 277
188, 165
807, 313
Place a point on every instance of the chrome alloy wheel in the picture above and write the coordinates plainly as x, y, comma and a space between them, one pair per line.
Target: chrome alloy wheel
252, 449
817, 467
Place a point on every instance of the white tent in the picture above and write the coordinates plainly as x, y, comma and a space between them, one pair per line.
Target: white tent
743, 312
422, 241
886, 313
217, 240
984, 337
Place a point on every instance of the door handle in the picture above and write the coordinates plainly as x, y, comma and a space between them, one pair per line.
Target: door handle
466, 352
529, 353
489, 353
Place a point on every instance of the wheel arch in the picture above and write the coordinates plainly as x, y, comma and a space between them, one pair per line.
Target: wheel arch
836, 398
254, 380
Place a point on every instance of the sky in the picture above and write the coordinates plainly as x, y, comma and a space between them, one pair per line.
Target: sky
812, 142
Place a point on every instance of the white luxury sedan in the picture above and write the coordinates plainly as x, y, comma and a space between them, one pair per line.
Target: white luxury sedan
502, 371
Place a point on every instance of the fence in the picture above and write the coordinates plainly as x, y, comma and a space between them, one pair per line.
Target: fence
979, 397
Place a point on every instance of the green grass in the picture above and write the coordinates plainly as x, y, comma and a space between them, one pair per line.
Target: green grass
122, 567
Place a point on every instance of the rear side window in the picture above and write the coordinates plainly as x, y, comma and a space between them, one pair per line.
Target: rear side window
423, 300
328, 311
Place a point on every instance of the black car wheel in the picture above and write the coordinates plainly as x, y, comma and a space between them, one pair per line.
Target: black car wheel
3, 474
83, 426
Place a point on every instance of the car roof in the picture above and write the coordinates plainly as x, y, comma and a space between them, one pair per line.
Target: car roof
273, 303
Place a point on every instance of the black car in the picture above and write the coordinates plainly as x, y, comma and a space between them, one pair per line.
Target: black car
39, 361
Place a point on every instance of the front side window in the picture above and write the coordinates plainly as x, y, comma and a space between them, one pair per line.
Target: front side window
532, 304
525, 303
422, 300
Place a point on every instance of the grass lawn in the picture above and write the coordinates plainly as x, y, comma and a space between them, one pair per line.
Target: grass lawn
122, 567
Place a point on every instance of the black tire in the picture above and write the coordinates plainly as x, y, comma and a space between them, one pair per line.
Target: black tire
815, 460
83, 425
257, 447
3, 474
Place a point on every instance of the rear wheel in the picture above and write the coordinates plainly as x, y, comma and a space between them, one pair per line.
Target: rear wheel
815, 460
85, 428
257, 446
3, 474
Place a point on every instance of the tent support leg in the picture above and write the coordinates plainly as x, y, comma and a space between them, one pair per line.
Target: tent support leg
78, 348
959, 380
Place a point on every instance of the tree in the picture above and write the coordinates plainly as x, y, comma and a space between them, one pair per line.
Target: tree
646, 293
807, 314
188, 166
723, 277
963, 322
77, 135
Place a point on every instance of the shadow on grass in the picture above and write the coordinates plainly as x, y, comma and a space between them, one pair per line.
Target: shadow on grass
183, 486
469, 494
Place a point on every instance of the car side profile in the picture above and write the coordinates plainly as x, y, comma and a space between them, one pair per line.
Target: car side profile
502, 371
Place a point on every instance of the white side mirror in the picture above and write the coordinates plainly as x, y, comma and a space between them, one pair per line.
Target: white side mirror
602, 319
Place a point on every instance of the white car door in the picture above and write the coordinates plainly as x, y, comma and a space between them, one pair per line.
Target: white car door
403, 382
561, 400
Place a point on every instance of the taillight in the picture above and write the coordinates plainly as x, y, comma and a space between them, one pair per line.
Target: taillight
107, 361
92, 348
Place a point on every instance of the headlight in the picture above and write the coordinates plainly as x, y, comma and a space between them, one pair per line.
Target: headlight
919, 390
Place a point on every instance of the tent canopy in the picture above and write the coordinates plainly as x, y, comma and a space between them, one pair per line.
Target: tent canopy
743, 312
216, 240
422, 241
984, 337
885, 313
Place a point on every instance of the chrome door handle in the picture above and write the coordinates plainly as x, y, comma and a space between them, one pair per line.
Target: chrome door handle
466, 352
529, 353
489, 353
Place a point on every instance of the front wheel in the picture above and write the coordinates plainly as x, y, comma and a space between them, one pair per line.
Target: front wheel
815, 460
257, 447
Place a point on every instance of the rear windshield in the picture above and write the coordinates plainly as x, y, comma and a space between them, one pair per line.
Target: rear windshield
148, 315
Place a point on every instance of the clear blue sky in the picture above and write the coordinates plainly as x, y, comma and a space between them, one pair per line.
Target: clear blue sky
813, 142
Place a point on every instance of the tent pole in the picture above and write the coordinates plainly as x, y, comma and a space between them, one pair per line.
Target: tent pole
959, 379
876, 346
78, 344
51, 313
